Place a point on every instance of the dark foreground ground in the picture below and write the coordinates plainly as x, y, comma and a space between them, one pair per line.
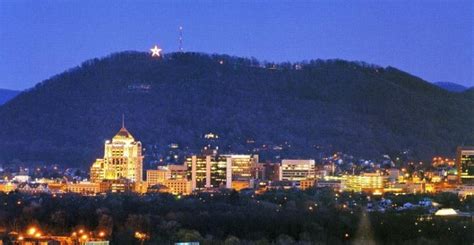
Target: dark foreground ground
317, 216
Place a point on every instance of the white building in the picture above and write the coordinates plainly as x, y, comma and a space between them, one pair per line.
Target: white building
297, 170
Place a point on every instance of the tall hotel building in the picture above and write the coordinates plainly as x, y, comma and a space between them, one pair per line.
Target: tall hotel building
122, 159
465, 164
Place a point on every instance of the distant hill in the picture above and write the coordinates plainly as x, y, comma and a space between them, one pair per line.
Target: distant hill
451, 87
352, 107
6, 95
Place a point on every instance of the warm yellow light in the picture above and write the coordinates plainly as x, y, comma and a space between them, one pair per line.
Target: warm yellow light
140, 236
84, 237
31, 231
81, 231
21, 238
101, 234
38, 234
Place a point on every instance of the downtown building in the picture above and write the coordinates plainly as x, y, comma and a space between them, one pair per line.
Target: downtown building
157, 176
122, 160
367, 182
465, 164
209, 171
221, 171
171, 178
297, 170
242, 170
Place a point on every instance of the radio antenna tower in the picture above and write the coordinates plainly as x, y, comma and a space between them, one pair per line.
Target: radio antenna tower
180, 39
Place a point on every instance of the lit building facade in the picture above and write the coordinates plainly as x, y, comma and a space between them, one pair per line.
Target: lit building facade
209, 171
173, 177
178, 186
157, 176
297, 170
268, 171
243, 169
178, 171
369, 182
198, 171
122, 159
307, 183
331, 182
465, 164
7, 187
83, 188
33, 188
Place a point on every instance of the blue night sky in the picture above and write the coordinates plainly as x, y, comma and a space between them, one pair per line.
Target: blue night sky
430, 39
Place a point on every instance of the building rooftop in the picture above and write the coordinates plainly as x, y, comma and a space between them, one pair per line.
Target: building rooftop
123, 134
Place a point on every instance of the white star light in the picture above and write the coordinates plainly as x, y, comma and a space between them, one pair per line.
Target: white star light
155, 51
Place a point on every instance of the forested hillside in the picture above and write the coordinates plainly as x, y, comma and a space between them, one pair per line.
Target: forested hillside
353, 107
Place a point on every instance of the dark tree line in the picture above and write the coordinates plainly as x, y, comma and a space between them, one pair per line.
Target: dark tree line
283, 217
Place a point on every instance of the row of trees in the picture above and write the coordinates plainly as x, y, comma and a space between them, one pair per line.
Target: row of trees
282, 217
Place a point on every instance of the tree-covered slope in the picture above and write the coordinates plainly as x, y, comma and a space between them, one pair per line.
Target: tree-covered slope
353, 107
7, 94
451, 87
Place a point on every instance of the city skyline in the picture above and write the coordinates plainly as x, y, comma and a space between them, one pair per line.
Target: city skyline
431, 41
248, 122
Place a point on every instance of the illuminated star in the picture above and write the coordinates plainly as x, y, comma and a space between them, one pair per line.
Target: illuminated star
155, 51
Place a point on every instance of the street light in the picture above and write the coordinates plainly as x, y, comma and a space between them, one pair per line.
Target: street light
84, 237
141, 237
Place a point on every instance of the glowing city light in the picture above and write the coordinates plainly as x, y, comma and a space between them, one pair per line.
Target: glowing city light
155, 51
31, 231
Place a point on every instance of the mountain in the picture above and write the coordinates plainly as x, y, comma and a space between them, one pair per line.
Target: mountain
451, 87
334, 105
6, 95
